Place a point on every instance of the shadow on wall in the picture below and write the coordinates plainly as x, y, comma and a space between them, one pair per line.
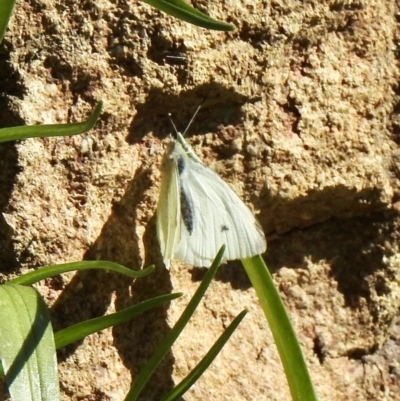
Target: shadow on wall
336, 224
219, 106
11, 87
90, 293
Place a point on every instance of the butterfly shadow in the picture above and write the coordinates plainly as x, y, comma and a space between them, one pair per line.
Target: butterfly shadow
354, 249
336, 224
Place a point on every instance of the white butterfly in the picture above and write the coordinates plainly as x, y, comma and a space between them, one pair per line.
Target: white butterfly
198, 212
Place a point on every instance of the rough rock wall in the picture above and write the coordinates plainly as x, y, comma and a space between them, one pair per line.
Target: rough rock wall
300, 116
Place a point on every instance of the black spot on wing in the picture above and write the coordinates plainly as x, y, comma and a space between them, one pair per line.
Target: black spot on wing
181, 165
186, 202
186, 210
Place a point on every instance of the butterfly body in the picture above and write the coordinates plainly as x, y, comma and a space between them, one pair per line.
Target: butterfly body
198, 212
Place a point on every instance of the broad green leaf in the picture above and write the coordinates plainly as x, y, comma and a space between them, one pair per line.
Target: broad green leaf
27, 350
34, 131
182, 10
6, 9
289, 349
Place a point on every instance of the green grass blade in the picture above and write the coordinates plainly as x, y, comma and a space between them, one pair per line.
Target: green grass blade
289, 349
161, 351
34, 131
81, 330
182, 10
6, 9
50, 271
27, 349
193, 376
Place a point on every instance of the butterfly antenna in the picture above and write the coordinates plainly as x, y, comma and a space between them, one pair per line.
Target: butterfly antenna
190, 122
172, 123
